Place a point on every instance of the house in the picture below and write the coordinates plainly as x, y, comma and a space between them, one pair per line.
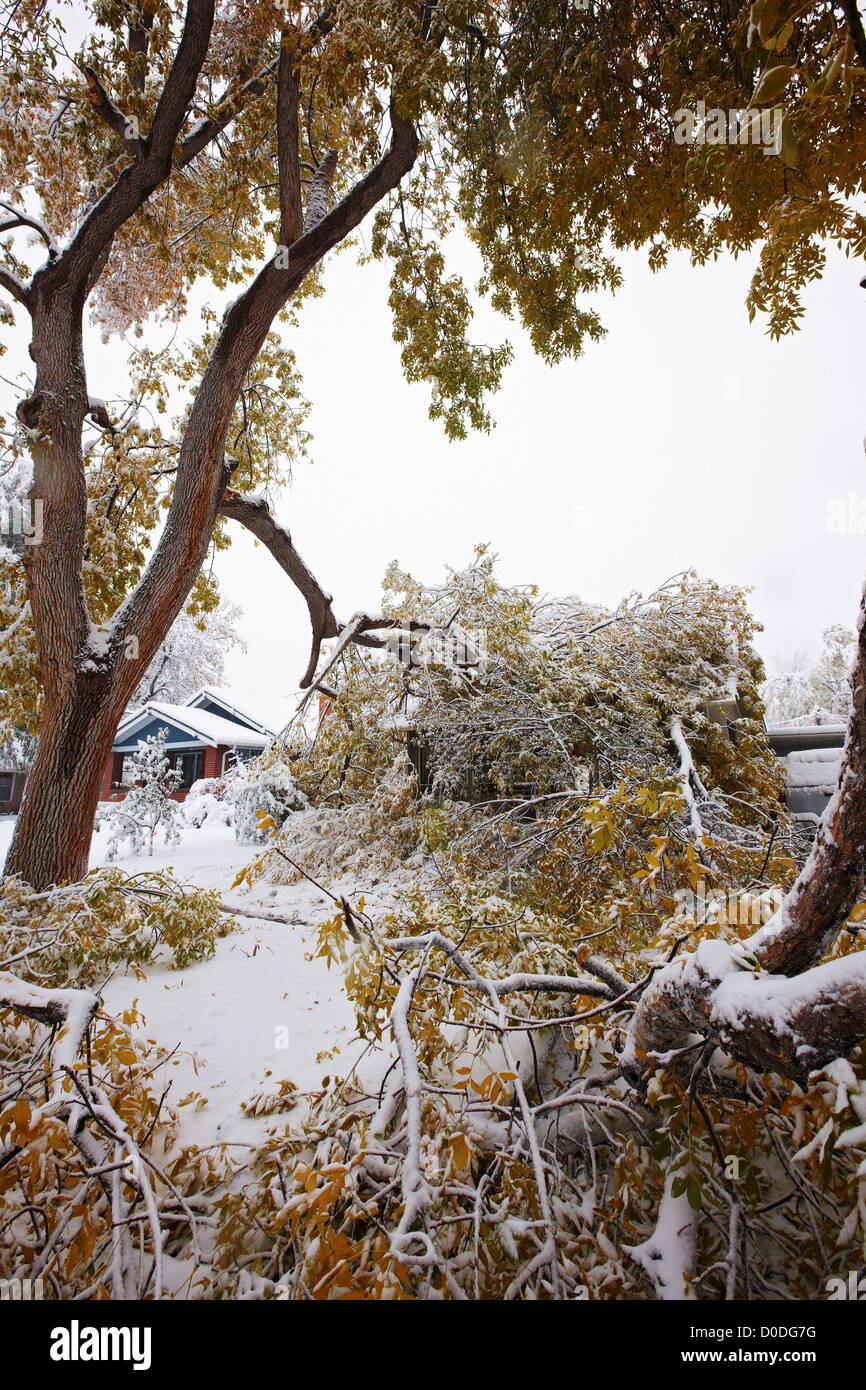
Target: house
216, 728
809, 747
17, 750
12, 783
812, 755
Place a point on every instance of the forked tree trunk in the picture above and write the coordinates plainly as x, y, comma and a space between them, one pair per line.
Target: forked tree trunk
88, 682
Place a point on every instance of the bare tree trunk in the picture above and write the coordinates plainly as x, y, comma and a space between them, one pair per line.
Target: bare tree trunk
55, 824
52, 835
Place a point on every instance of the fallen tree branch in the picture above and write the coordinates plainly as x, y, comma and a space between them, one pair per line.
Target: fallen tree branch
255, 515
52, 1006
766, 1018
771, 1022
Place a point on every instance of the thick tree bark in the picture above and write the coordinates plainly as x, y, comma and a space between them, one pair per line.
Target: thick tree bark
55, 824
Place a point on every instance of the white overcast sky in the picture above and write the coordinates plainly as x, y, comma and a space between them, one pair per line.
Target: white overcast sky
686, 438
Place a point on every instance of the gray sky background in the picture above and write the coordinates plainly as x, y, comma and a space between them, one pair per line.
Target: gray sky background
686, 438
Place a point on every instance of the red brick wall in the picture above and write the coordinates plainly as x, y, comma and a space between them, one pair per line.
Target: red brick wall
111, 776
213, 760
113, 771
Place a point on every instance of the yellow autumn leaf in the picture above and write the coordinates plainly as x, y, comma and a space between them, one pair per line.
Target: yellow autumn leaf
773, 83
21, 1114
460, 1150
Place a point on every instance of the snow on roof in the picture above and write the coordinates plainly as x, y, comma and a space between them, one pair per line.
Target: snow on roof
814, 767
197, 722
269, 713
804, 730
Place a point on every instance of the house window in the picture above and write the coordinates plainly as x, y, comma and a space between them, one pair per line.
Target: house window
190, 765
6, 781
241, 755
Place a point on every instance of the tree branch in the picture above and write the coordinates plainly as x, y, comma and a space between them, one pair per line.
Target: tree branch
255, 515
201, 473
23, 219
288, 159
320, 191
52, 1006
14, 286
229, 107
112, 115
233, 101
855, 28
140, 25
135, 183
772, 1023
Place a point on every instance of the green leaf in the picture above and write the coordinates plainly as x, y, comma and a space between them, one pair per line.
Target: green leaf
773, 83
789, 149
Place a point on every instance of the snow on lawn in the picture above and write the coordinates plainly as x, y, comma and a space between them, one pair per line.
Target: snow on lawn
225, 1015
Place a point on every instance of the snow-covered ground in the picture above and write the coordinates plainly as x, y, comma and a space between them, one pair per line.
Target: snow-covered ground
227, 1016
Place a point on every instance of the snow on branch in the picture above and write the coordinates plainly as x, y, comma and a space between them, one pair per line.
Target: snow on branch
74, 1007
688, 775
427, 943
255, 515
668, 1257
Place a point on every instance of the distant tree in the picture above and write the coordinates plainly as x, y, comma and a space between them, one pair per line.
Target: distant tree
192, 655
148, 805
832, 676
820, 692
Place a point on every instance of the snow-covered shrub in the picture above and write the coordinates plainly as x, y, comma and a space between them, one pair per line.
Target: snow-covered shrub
261, 789
148, 805
208, 804
375, 834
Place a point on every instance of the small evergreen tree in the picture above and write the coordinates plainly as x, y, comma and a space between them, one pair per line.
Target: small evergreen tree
148, 804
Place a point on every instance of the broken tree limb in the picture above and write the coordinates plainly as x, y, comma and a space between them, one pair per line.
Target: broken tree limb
114, 118
791, 1025
774, 1017
255, 515
51, 1006
76, 1008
